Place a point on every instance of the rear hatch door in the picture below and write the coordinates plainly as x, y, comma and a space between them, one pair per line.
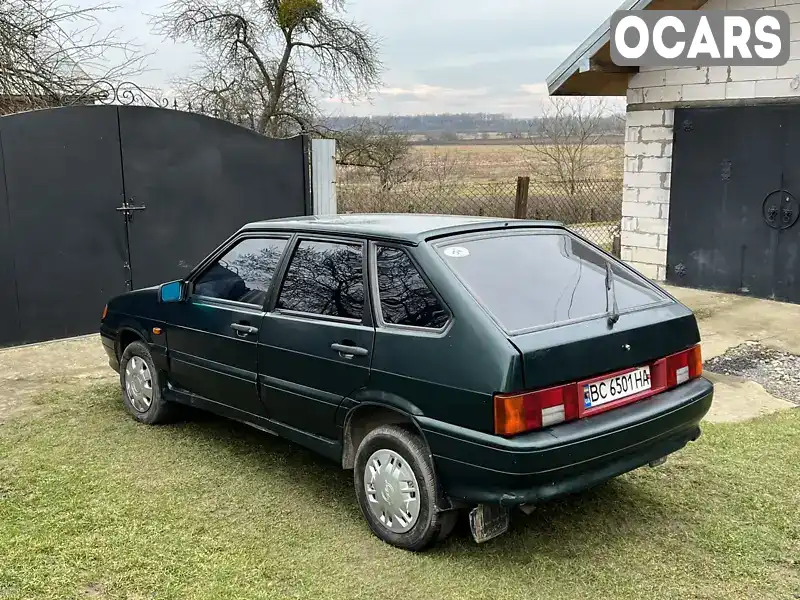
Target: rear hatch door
548, 290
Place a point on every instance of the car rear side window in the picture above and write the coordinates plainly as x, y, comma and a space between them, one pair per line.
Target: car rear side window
244, 273
536, 279
405, 297
325, 278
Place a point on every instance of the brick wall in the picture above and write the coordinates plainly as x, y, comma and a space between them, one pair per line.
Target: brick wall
648, 136
645, 199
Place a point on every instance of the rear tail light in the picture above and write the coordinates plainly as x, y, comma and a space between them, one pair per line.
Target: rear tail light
105, 313
518, 413
684, 366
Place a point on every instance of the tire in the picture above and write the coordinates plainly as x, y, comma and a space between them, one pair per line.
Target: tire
154, 410
405, 451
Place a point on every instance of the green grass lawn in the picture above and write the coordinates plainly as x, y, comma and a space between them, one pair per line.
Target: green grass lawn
93, 504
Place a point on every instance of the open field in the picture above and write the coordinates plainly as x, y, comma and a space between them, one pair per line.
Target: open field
488, 163
495, 140
506, 162
95, 505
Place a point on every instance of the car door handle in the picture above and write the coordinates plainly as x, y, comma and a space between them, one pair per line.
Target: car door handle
245, 329
349, 351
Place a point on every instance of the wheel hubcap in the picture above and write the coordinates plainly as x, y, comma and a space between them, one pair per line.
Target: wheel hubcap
139, 384
392, 491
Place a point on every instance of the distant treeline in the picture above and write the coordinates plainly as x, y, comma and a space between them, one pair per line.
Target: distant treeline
450, 126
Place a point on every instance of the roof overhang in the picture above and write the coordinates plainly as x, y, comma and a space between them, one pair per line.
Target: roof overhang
589, 70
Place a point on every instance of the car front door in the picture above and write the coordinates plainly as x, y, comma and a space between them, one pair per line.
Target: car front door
212, 337
315, 346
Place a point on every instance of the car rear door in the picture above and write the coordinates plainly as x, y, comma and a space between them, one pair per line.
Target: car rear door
315, 345
212, 337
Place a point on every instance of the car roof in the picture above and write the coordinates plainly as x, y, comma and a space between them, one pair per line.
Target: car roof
409, 228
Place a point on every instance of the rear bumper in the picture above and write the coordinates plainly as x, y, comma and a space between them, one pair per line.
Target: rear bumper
479, 468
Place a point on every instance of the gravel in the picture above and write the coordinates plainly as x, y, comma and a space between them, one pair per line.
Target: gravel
778, 372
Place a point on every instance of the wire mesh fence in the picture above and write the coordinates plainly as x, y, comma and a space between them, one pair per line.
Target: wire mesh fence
493, 199
590, 207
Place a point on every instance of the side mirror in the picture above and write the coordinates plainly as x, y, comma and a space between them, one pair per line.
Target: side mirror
174, 291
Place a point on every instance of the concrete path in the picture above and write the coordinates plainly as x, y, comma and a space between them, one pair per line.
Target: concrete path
26, 372
728, 321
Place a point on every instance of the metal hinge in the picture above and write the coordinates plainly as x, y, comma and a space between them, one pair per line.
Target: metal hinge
128, 209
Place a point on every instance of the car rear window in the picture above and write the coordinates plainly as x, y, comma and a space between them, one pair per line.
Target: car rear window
537, 279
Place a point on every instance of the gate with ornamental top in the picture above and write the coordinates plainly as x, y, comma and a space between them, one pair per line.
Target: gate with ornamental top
97, 200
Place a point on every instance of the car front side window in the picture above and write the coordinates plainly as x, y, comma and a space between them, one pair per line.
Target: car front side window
325, 278
243, 273
405, 298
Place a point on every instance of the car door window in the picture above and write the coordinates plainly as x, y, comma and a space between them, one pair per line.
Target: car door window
243, 273
325, 278
405, 298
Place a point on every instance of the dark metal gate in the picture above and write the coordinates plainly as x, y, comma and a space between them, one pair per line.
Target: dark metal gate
733, 202
95, 200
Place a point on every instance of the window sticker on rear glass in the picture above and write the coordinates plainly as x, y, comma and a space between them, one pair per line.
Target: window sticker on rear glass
456, 252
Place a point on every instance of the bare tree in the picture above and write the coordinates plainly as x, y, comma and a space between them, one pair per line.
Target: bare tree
388, 155
378, 149
266, 62
441, 167
569, 142
54, 53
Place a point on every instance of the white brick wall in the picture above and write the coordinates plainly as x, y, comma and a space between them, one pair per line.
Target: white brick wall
715, 83
645, 201
648, 135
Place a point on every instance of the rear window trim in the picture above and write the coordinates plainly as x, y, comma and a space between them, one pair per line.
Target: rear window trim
479, 235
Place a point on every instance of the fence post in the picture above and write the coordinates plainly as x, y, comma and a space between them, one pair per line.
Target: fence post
323, 177
521, 201
616, 246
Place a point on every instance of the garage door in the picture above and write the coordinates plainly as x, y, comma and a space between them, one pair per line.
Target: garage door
734, 201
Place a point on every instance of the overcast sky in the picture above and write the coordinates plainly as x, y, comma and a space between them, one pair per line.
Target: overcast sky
440, 55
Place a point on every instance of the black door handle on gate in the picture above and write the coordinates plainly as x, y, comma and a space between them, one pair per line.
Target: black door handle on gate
349, 350
242, 328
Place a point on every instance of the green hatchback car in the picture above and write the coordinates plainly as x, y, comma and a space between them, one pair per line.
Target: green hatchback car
457, 365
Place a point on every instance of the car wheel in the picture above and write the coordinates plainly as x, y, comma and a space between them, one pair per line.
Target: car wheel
397, 490
141, 391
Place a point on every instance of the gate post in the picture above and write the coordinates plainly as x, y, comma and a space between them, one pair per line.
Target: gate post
323, 177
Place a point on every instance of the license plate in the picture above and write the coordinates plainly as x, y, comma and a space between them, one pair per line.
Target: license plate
616, 388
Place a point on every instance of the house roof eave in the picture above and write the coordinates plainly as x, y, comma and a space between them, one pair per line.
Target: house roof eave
580, 61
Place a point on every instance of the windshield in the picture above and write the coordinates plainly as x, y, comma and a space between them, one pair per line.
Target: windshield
530, 279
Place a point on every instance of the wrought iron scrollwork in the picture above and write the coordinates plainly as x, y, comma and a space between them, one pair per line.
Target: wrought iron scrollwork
128, 93
125, 93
